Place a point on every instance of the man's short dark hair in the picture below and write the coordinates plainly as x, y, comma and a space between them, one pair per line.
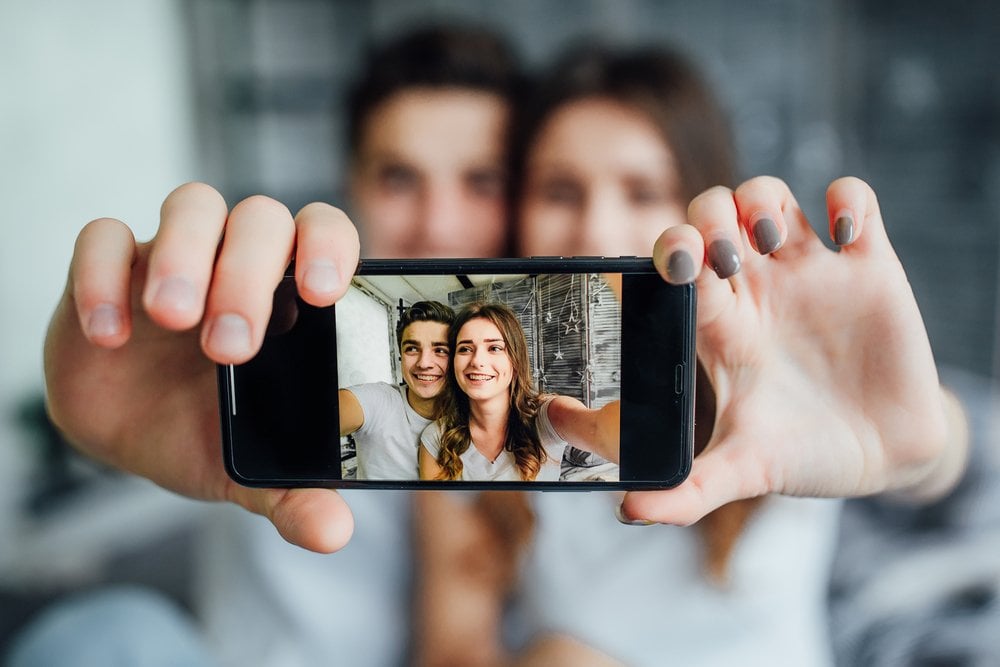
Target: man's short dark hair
423, 311
437, 57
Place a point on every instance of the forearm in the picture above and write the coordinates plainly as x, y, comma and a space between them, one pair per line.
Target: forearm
597, 431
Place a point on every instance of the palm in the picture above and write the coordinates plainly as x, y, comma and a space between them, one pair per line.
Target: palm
823, 376
830, 377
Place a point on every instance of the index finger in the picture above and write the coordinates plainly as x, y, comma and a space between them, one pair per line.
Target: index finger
326, 254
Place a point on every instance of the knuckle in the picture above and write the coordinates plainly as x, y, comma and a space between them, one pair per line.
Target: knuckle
102, 226
194, 192
706, 200
261, 207
761, 186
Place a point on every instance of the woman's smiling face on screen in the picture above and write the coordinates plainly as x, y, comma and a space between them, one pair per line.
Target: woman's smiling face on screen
483, 368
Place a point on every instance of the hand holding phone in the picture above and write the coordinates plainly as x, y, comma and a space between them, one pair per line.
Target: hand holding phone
578, 374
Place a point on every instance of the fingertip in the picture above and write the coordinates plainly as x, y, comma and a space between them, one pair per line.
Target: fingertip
851, 206
106, 325
229, 338
327, 251
666, 507
767, 234
677, 254
173, 302
99, 279
318, 520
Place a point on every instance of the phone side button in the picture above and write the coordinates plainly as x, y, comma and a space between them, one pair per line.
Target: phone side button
679, 379
232, 389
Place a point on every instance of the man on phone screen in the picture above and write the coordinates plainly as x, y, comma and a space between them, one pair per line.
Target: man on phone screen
386, 421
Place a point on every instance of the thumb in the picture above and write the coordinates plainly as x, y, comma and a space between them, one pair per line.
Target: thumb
315, 519
718, 476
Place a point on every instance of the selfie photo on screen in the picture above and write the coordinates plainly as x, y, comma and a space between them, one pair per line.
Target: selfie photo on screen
527, 339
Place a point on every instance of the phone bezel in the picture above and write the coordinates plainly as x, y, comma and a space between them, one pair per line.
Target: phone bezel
500, 266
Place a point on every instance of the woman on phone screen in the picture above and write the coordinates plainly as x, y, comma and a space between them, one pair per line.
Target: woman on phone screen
492, 424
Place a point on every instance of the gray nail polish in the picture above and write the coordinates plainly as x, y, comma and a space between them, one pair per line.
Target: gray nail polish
630, 522
723, 258
843, 230
766, 235
680, 267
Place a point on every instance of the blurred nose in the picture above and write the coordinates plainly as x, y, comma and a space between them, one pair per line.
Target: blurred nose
600, 226
441, 217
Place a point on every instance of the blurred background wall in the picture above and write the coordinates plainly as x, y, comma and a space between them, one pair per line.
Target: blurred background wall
107, 105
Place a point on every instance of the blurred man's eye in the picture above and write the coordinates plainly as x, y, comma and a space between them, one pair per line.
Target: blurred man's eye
398, 178
486, 182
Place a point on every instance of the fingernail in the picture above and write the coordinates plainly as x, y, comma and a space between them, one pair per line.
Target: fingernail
680, 267
176, 294
766, 235
723, 258
105, 321
620, 515
229, 334
843, 230
321, 277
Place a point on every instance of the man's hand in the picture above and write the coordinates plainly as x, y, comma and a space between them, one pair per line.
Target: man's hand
131, 350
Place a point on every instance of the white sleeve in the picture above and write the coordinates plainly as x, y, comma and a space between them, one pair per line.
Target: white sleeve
550, 440
375, 401
431, 439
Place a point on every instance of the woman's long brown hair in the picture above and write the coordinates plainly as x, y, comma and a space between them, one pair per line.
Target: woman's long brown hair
669, 91
452, 408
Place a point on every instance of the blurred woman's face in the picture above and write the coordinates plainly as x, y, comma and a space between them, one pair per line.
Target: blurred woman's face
600, 180
428, 179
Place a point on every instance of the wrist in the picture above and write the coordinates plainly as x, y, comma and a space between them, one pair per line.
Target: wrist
946, 470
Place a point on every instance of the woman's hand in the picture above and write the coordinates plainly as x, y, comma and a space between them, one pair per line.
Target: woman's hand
131, 350
823, 374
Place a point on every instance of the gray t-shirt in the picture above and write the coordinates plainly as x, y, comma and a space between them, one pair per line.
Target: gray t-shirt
477, 468
387, 442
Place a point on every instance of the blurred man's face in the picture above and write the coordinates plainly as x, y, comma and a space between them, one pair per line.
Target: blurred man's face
428, 180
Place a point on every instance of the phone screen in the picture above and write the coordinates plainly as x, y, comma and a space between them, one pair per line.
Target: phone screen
524, 373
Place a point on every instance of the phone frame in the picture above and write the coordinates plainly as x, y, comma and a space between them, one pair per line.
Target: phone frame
683, 375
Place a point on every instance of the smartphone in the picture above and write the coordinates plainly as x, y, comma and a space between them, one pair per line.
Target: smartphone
371, 393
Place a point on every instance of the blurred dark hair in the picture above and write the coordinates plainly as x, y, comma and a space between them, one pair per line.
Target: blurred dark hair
423, 311
655, 81
434, 56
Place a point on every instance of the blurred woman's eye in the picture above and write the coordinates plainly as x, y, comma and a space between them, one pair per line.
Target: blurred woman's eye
463, 349
647, 195
398, 178
561, 192
487, 183
648, 192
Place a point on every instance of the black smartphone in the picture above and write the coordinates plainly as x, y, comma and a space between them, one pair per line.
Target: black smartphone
540, 373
